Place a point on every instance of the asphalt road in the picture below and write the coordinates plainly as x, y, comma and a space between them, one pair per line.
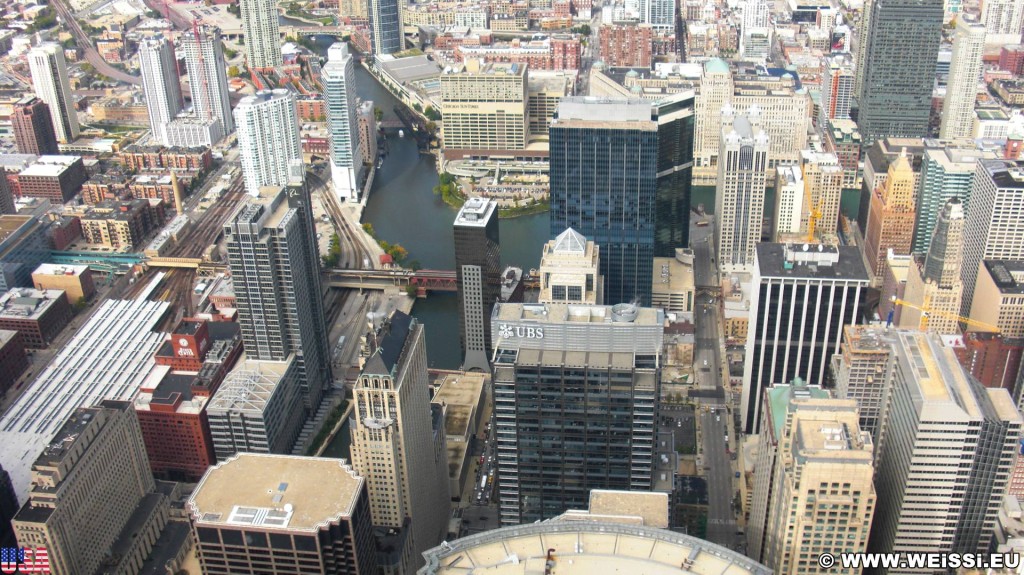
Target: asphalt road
91, 55
716, 426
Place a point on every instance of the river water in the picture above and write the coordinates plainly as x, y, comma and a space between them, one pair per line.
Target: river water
403, 209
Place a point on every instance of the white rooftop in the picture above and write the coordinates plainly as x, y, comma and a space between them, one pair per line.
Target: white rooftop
571, 241
108, 358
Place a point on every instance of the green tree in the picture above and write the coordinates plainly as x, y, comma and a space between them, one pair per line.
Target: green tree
432, 114
411, 290
416, 106
431, 126
233, 71
414, 265
368, 228
228, 52
378, 114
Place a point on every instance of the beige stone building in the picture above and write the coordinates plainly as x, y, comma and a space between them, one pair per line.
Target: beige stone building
934, 289
814, 468
92, 500
999, 298
76, 281
484, 108
398, 440
861, 371
891, 215
570, 270
672, 285
545, 90
823, 189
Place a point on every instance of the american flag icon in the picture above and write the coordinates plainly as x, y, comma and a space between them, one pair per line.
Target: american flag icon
24, 560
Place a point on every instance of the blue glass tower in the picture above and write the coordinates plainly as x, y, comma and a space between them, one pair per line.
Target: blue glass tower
603, 170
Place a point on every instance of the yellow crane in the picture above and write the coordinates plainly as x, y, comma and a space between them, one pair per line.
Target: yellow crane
928, 311
813, 212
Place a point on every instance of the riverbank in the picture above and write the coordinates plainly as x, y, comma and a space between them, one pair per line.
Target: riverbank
308, 18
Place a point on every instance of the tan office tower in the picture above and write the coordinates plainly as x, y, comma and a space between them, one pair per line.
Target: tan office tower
86, 486
742, 178
862, 370
933, 282
949, 499
823, 189
964, 74
570, 270
817, 470
398, 441
785, 116
484, 109
281, 514
891, 216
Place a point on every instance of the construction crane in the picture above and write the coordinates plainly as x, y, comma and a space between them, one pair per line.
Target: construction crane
814, 212
928, 311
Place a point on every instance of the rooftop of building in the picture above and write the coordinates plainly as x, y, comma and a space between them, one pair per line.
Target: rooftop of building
869, 339
829, 437
844, 130
886, 150
6, 336
1008, 275
276, 492
27, 303
410, 69
248, 387
108, 358
625, 314
584, 548
810, 261
952, 157
780, 396
9, 224
590, 111
671, 275
488, 69
49, 166
630, 507
476, 212
1006, 174
172, 389
389, 344
549, 81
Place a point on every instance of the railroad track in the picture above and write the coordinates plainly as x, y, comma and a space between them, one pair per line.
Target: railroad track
209, 228
356, 250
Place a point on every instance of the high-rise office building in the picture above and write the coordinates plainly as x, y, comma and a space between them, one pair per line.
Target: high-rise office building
33, 127
338, 76
822, 176
949, 500
933, 282
837, 85
785, 115
877, 160
675, 173
262, 36
740, 192
87, 485
756, 30
484, 108
1003, 20
50, 80
899, 68
160, 84
993, 230
278, 514
789, 202
814, 465
802, 296
947, 171
997, 303
891, 216
603, 152
964, 75
570, 270
863, 30
550, 359
386, 33
660, 14
478, 273
8, 508
862, 371
268, 138
207, 75
275, 268
398, 440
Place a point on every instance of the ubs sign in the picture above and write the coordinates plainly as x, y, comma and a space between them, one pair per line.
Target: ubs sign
507, 331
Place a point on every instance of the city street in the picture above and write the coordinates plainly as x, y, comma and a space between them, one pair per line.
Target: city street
714, 427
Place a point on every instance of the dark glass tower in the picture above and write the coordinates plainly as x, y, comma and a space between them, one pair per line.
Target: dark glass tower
899, 68
478, 271
386, 26
675, 174
276, 273
604, 159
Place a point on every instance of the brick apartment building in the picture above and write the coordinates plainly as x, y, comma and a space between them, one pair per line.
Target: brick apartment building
626, 45
55, 178
39, 315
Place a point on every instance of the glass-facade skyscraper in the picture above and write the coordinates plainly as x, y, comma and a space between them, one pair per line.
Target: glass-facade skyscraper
675, 173
603, 172
576, 391
386, 26
478, 271
899, 68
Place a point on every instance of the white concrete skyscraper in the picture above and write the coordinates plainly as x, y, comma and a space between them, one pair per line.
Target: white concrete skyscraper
50, 80
994, 228
338, 76
262, 33
160, 84
837, 85
660, 14
208, 79
1003, 19
741, 185
268, 138
964, 75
